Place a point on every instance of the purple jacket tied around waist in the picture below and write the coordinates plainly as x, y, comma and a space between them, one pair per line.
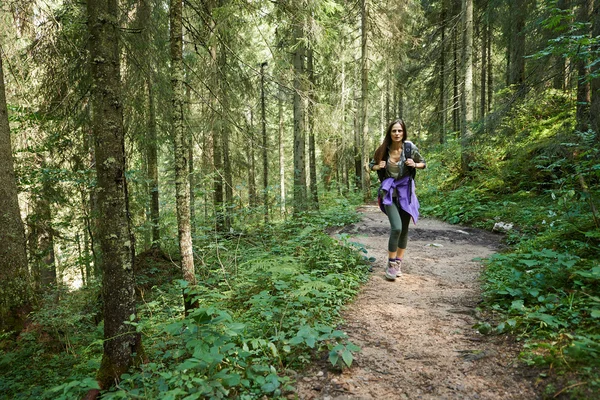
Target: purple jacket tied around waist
405, 195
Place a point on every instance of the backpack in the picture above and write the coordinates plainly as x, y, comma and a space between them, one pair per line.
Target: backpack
407, 154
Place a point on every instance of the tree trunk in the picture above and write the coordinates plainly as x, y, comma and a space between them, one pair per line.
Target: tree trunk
490, 88
455, 93
281, 151
483, 78
225, 137
15, 294
152, 159
443, 103
516, 71
583, 84
364, 95
121, 342
299, 126
251, 163
312, 151
560, 65
265, 143
41, 237
467, 95
181, 145
595, 83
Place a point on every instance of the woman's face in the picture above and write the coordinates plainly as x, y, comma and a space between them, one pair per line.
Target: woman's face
397, 133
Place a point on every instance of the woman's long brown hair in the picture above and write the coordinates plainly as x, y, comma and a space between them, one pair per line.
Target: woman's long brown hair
382, 150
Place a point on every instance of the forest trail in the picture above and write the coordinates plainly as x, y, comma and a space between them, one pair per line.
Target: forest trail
415, 334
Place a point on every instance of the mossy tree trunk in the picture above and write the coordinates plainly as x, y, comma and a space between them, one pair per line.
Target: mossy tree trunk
121, 341
15, 289
467, 92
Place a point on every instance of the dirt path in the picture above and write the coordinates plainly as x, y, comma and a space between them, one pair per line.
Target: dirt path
416, 333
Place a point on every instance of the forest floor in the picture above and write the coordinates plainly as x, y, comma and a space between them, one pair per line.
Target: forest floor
416, 334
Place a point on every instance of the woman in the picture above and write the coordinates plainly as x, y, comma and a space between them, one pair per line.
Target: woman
395, 162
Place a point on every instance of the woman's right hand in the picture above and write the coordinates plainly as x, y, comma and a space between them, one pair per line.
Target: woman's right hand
381, 165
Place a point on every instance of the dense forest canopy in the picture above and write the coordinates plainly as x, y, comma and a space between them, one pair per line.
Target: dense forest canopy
189, 132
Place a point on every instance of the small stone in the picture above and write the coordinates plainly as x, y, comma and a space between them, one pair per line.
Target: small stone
320, 373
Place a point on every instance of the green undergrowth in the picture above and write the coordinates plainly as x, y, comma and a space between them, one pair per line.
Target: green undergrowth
538, 175
269, 304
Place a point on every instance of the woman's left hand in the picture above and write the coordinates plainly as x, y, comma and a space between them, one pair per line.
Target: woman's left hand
410, 163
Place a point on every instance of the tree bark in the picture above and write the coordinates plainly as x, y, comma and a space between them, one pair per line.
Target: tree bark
312, 151
265, 143
455, 91
299, 125
560, 65
483, 78
516, 71
225, 136
15, 292
252, 197
467, 93
41, 237
443, 101
281, 152
181, 145
583, 85
120, 339
364, 95
595, 83
152, 160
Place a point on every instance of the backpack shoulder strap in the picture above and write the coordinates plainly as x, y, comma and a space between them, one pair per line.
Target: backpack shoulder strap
407, 149
408, 154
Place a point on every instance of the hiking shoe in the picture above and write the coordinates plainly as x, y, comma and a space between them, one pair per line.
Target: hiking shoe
399, 268
391, 271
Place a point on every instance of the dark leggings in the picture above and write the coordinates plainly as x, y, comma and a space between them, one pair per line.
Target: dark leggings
399, 220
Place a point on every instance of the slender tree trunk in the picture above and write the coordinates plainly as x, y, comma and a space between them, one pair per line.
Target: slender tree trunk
490, 75
225, 137
341, 156
364, 112
560, 65
583, 84
251, 163
181, 145
455, 95
15, 296
265, 143
152, 156
483, 78
312, 152
281, 151
357, 144
299, 126
467, 95
121, 342
388, 117
443, 104
595, 83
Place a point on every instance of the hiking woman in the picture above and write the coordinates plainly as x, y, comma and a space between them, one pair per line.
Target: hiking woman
395, 162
